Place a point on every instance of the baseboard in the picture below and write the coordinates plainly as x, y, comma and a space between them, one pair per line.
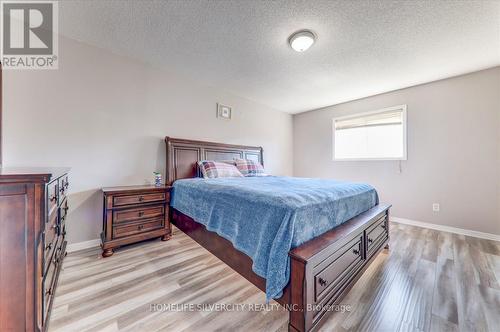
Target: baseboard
83, 245
455, 230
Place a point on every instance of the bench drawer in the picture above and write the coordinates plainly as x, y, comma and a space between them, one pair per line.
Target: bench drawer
376, 233
347, 258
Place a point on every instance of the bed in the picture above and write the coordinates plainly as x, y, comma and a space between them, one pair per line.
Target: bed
306, 262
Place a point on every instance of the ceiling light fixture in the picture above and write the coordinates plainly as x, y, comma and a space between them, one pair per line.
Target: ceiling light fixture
301, 40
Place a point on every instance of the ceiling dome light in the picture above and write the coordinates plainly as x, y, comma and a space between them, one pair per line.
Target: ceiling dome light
302, 40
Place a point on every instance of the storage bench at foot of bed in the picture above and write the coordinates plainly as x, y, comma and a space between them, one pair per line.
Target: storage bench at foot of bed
325, 268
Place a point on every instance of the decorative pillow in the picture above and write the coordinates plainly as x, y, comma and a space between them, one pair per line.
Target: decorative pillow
250, 168
216, 169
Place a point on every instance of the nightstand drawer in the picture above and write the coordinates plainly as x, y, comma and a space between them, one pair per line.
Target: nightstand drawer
138, 227
145, 212
138, 199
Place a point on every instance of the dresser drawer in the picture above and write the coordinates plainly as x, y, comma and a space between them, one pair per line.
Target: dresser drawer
139, 198
63, 186
52, 197
48, 253
63, 214
49, 274
376, 234
48, 286
345, 259
50, 237
120, 216
137, 227
54, 257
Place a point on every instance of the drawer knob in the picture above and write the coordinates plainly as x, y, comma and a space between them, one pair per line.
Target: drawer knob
141, 226
355, 252
49, 292
48, 247
141, 198
141, 213
383, 225
322, 281
370, 240
53, 198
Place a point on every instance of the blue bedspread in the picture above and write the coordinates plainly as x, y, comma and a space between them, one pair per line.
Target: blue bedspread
265, 217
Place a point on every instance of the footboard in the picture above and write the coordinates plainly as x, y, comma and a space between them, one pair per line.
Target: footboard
324, 269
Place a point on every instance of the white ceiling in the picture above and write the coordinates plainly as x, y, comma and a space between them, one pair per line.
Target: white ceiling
363, 47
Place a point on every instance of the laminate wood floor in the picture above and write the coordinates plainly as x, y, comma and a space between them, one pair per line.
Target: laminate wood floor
427, 281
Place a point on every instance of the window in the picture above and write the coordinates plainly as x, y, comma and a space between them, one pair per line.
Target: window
379, 135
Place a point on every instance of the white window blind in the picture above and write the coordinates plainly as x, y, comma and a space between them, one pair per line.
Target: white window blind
378, 135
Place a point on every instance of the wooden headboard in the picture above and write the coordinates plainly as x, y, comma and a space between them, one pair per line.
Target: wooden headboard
183, 154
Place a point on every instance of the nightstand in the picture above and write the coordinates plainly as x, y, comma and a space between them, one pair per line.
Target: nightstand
134, 213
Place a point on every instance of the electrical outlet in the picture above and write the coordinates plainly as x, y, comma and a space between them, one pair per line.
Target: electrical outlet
435, 207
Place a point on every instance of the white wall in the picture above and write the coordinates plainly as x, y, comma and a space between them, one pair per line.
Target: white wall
106, 116
453, 151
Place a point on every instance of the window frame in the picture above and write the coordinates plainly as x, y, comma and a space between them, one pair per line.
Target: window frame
402, 107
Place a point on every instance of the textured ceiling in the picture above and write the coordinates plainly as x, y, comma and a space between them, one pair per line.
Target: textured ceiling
363, 47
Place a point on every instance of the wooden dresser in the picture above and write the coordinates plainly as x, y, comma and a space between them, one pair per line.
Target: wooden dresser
134, 213
33, 209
